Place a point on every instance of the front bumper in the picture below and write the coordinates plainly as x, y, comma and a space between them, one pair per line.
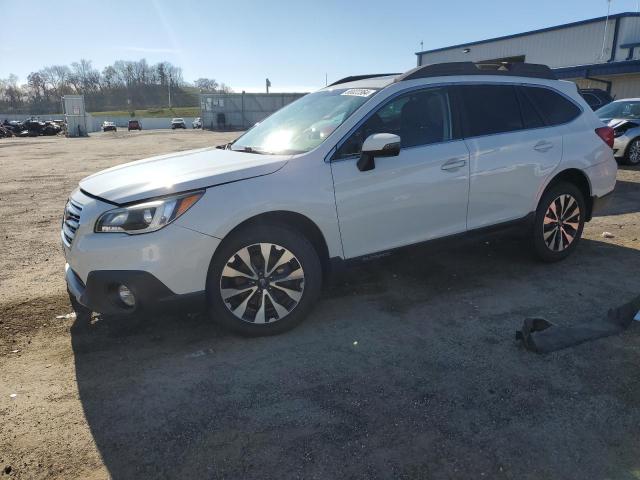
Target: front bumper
100, 294
621, 143
159, 267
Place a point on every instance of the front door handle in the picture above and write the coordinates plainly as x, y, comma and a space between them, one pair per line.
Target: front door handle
453, 164
543, 146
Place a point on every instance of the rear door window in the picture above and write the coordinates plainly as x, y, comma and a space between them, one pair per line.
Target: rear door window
490, 109
555, 108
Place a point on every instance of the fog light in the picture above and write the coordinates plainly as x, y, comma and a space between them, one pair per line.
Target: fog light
126, 296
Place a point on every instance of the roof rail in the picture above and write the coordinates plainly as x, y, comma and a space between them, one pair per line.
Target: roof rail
515, 69
355, 78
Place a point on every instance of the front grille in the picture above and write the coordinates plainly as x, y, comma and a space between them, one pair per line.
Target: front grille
70, 221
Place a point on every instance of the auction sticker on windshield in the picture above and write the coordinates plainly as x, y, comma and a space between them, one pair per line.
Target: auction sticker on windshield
358, 92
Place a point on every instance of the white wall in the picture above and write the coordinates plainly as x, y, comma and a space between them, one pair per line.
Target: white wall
578, 45
622, 86
94, 124
629, 32
147, 123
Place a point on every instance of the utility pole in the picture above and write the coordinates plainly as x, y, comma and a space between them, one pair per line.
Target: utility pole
169, 90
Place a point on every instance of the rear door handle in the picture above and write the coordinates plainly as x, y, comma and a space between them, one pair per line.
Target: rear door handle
453, 164
543, 146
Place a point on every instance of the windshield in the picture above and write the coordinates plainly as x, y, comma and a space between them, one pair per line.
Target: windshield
622, 109
304, 124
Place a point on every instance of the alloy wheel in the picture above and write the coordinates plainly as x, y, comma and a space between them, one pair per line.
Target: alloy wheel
634, 153
262, 283
561, 223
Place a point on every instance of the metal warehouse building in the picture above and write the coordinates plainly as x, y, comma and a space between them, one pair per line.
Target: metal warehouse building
601, 52
221, 111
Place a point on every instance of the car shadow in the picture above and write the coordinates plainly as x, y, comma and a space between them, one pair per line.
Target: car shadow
406, 369
626, 199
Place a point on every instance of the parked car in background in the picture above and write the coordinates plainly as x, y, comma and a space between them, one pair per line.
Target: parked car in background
33, 127
366, 165
595, 97
134, 125
5, 132
51, 127
178, 123
624, 117
109, 127
14, 125
197, 123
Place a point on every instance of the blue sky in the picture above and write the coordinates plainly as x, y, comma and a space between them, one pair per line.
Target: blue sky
293, 43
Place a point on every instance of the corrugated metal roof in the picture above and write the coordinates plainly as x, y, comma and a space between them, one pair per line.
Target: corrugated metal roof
530, 32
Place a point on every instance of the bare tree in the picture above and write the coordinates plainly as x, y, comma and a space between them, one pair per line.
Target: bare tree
37, 87
57, 76
224, 88
206, 84
123, 84
109, 78
84, 77
10, 92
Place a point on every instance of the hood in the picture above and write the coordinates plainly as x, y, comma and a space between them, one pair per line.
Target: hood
178, 172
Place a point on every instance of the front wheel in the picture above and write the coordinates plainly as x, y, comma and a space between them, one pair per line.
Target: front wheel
632, 156
263, 280
558, 222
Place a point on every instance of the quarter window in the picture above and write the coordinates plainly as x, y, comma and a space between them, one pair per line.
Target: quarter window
555, 108
530, 116
420, 118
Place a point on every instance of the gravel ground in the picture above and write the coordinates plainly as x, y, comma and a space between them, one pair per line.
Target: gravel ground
408, 367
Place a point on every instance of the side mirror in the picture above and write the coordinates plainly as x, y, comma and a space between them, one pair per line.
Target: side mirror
378, 145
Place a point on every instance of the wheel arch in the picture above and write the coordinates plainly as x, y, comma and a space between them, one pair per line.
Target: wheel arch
297, 221
578, 178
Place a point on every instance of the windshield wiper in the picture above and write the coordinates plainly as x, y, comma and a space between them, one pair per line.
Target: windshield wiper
250, 150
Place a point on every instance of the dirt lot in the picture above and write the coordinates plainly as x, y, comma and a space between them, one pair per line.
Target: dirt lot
408, 368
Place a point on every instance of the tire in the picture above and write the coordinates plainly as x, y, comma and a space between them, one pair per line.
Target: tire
286, 301
632, 155
553, 240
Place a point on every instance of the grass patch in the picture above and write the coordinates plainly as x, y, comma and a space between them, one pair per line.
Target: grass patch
153, 113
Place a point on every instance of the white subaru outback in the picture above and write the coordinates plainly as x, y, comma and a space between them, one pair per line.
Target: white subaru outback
365, 165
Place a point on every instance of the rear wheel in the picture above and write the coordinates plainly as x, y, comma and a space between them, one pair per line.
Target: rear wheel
559, 222
632, 157
263, 280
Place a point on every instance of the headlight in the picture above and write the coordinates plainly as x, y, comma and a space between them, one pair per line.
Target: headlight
146, 217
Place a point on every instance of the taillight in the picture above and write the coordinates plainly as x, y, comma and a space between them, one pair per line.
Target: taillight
606, 134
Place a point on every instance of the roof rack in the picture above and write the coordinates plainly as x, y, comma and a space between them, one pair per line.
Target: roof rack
516, 69
355, 78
